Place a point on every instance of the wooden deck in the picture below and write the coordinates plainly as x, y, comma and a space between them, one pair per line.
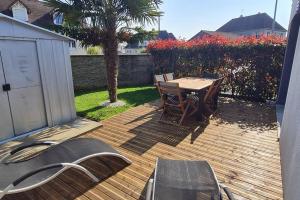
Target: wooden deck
240, 142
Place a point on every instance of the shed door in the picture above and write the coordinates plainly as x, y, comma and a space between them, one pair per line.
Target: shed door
6, 126
21, 70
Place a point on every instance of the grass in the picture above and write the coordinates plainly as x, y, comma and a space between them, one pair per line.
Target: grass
87, 102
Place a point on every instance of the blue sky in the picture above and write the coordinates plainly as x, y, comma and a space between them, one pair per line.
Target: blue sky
185, 18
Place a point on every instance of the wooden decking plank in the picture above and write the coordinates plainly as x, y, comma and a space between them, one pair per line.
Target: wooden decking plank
135, 118
172, 156
148, 160
115, 136
213, 143
244, 142
240, 142
71, 179
237, 137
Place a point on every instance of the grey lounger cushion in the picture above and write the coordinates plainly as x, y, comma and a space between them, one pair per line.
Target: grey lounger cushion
72, 151
182, 179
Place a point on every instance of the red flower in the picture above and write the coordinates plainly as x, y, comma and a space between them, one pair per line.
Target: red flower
216, 40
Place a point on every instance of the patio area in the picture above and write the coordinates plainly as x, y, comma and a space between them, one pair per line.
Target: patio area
240, 142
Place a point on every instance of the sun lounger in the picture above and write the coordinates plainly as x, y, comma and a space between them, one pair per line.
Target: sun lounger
179, 180
27, 174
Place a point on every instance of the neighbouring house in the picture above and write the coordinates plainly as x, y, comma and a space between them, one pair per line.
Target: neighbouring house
205, 33
35, 12
31, 11
253, 25
35, 77
165, 35
140, 47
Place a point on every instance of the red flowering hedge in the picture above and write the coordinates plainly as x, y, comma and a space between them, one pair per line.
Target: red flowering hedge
252, 66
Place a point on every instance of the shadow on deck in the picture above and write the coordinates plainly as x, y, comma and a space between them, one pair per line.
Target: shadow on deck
240, 142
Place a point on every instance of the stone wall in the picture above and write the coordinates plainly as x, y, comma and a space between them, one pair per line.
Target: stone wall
89, 72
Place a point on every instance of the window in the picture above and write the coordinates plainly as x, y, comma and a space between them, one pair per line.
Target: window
72, 44
257, 35
58, 18
20, 12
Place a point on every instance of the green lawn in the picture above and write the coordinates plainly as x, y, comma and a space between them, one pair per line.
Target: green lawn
87, 102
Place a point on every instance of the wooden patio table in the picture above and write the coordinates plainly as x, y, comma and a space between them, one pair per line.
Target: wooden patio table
197, 85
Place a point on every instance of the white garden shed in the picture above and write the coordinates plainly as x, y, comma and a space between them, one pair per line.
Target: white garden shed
36, 86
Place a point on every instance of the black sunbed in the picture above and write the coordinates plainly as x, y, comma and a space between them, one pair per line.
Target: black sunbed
181, 180
27, 174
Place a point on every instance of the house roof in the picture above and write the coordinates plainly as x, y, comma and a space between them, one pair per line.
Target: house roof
252, 22
37, 28
39, 14
162, 35
165, 35
214, 33
132, 46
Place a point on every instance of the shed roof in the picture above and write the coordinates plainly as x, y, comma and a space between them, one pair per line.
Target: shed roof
33, 27
252, 22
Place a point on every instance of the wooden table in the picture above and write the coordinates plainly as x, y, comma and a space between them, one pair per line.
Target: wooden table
193, 83
197, 85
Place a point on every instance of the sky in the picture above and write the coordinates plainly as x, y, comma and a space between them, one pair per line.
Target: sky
185, 18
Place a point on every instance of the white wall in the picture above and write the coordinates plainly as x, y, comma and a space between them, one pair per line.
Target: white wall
262, 31
290, 132
294, 9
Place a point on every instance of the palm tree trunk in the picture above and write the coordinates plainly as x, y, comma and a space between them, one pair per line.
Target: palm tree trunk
112, 61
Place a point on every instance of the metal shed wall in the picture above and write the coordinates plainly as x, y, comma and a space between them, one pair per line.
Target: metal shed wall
54, 63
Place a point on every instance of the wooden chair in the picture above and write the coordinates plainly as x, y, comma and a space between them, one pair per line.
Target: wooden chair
169, 76
171, 97
158, 78
210, 98
210, 75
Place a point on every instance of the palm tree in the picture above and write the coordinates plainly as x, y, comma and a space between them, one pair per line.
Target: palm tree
107, 21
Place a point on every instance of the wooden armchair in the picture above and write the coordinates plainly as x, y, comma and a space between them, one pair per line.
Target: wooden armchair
169, 76
211, 97
158, 78
171, 97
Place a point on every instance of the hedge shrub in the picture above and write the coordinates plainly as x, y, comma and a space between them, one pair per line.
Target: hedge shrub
252, 66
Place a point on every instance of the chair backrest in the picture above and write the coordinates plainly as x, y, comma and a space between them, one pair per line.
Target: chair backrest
169, 76
167, 89
158, 78
210, 75
213, 90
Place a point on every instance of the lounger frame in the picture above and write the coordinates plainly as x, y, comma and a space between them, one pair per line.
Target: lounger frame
9, 189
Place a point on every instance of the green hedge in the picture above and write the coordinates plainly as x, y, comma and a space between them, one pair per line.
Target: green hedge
252, 67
